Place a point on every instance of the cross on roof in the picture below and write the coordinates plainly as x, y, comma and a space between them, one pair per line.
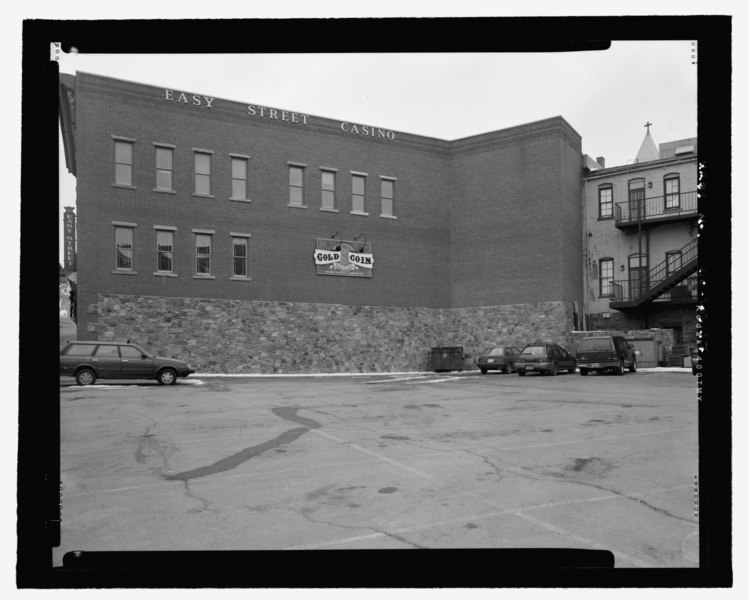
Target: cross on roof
648, 124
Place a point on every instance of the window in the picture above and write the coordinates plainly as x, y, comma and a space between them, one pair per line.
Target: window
296, 186
239, 255
238, 178
123, 237
164, 251
328, 190
387, 193
123, 162
202, 254
202, 173
605, 202
671, 188
80, 350
673, 262
107, 351
358, 185
606, 277
164, 168
130, 352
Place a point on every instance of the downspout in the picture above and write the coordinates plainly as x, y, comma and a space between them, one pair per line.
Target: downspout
586, 259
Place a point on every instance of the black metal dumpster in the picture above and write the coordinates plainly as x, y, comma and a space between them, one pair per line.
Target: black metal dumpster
447, 358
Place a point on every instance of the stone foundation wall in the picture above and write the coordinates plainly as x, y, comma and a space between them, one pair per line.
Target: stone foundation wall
234, 336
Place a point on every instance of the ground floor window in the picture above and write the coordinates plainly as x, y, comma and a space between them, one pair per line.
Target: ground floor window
123, 248
202, 254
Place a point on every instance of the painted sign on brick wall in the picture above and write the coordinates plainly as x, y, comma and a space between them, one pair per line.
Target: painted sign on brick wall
348, 258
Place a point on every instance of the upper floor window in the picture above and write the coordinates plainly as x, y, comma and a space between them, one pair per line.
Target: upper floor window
239, 178
164, 250
387, 196
358, 186
296, 185
328, 190
164, 168
123, 241
123, 162
606, 277
202, 173
605, 202
671, 190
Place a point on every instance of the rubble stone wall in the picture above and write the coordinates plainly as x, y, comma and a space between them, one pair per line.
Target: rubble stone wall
251, 337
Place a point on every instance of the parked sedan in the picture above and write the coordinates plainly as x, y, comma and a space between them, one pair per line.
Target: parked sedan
545, 357
498, 358
89, 361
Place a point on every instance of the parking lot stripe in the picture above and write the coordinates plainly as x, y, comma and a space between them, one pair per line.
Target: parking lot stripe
371, 453
600, 439
583, 540
489, 515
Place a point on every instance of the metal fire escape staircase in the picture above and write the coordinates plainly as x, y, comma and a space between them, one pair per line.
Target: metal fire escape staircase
660, 280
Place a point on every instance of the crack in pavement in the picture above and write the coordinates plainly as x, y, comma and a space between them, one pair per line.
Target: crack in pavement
191, 494
602, 488
488, 461
147, 441
304, 513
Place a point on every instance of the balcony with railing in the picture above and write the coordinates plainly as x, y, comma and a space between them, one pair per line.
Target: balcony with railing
672, 281
647, 211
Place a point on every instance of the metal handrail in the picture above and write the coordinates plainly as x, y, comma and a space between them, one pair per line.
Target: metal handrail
620, 289
670, 205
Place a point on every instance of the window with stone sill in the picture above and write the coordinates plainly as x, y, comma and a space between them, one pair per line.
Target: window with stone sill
123, 248
123, 162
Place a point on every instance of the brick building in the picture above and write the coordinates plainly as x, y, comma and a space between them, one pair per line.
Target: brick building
255, 239
641, 241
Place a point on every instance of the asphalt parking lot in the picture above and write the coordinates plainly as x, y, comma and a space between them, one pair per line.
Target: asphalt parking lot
384, 462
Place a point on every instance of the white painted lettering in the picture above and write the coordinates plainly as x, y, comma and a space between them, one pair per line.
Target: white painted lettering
251, 110
196, 100
284, 115
294, 118
273, 113
344, 127
168, 95
208, 101
182, 97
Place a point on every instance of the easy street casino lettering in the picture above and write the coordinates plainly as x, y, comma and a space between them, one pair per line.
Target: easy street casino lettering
277, 114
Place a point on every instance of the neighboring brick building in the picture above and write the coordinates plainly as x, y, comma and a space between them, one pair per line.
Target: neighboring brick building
255, 239
641, 241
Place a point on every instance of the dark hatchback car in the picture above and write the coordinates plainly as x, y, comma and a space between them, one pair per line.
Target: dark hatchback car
545, 357
89, 361
606, 353
498, 358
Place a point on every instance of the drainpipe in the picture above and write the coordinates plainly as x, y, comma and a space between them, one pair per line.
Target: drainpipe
586, 258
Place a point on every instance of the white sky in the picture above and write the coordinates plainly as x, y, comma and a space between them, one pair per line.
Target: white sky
606, 96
